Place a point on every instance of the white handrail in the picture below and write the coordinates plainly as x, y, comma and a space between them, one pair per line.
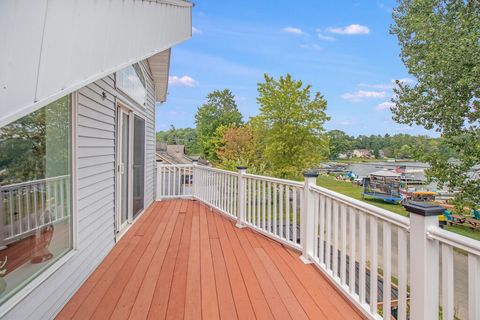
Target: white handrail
232, 173
455, 240
275, 180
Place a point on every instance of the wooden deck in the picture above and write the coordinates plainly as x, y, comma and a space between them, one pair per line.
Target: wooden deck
183, 261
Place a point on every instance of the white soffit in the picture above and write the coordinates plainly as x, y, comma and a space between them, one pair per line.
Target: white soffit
50, 48
160, 65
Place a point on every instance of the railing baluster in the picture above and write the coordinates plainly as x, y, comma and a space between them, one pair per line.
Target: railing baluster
235, 195
27, 206
62, 199
473, 287
254, 202
335, 239
269, 207
352, 251
170, 176
321, 212
259, 203
402, 274
264, 205
387, 270
447, 282
362, 247
11, 213
373, 264
294, 213
343, 252
225, 193
275, 209
316, 206
328, 234
35, 204
281, 211
288, 230
19, 209
55, 198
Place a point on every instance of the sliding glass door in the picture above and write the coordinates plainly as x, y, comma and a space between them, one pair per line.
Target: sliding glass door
138, 165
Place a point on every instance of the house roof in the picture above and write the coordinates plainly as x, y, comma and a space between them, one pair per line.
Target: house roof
51, 50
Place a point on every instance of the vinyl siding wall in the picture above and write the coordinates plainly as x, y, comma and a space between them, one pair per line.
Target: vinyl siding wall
96, 131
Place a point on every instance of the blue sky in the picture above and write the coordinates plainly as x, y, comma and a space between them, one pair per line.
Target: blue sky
342, 48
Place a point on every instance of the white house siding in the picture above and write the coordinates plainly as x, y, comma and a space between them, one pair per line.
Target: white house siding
148, 113
96, 125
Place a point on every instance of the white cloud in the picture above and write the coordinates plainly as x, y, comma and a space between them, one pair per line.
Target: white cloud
350, 29
386, 86
325, 37
196, 31
361, 95
384, 106
185, 81
312, 46
293, 30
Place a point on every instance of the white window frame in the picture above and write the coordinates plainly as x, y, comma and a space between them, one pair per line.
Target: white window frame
36, 282
124, 92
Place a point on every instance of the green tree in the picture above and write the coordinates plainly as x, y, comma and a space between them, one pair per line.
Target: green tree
291, 124
339, 142
239, 145
185, 136
440, 47
219, 110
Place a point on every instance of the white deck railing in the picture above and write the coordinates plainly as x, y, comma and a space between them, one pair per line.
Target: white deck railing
25, 207
364, 250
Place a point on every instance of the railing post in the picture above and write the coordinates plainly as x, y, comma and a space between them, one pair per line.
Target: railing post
160, 176
307, 218
193, 179
424, 261
241, 197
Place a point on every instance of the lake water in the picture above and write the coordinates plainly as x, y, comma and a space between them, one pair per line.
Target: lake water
366, 168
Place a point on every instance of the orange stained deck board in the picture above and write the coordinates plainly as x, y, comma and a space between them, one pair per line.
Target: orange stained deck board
181, 260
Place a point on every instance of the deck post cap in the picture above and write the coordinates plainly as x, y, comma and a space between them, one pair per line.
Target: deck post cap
423, 208
241, 167
310, 174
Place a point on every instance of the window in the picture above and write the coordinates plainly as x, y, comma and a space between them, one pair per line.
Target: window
35, 194
131, 81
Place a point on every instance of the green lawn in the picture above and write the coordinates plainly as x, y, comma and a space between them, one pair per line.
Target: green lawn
355, 191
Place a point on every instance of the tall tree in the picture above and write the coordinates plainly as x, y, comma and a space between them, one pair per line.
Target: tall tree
291, 122
219, 110
239, 145
440, 47
339, 142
